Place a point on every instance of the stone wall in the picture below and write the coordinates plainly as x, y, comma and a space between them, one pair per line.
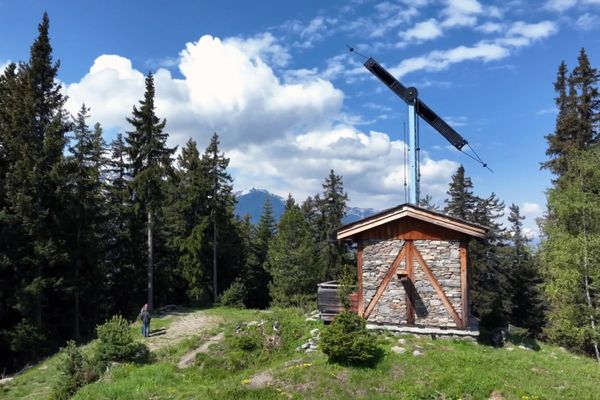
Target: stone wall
443, 259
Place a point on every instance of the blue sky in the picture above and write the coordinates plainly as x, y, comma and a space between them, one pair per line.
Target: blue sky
275, 80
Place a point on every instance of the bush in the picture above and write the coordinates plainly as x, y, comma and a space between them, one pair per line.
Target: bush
75, 370
115, 342
235, 295
347, 341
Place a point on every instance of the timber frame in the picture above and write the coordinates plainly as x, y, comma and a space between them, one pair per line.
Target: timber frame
409, 225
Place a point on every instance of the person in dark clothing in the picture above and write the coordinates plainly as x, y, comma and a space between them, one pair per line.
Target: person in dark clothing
145, 317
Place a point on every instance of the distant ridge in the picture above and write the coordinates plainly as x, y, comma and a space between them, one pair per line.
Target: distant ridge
251, 202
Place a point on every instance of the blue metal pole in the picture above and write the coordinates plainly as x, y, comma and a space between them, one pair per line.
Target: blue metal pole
413, 139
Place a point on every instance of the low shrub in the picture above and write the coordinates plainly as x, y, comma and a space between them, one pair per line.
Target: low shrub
115, 342
347, 341
235, 295
76, 370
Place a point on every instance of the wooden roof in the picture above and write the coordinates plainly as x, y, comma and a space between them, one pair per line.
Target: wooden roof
411, 211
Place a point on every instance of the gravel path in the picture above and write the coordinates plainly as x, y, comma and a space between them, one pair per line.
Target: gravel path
186, 326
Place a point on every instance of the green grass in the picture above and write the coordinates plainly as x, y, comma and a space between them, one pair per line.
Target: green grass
448, 369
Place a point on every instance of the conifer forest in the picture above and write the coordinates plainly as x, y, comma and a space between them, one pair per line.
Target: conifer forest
90, 229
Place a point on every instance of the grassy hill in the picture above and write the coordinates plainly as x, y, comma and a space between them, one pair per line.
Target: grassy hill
253, 355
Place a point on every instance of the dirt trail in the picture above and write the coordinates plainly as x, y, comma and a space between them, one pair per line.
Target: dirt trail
188, 325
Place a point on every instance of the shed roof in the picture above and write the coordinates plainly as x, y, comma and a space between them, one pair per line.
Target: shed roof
410, 210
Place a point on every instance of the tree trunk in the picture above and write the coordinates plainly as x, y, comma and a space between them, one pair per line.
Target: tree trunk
150, 263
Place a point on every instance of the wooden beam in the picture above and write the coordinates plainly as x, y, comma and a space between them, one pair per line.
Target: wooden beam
410, 308
437, 287
359, 261
464, 284
385, 282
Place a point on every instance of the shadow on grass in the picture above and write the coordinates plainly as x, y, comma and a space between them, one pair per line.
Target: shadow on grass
501, 336
158, 332
375, 358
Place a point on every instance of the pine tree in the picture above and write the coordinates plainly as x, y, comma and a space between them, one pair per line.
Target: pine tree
332, 209
190, 220
578, 103
524, 278
150, 164
427, 202
85, 208
225, 260
258, 278
34, 183
490, 289
461, 201
571, 255
291, 261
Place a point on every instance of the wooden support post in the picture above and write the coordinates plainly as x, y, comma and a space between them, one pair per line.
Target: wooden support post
385, 282
438, 288
410, 298
359, 256
464, 284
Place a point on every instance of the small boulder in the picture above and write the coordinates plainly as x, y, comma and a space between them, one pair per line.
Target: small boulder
398, 349
417, 353
314, 332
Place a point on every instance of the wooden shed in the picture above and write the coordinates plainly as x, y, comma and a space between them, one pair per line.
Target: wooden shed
412, 269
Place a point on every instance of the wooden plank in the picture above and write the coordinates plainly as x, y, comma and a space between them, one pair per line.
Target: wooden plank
410, 307
385, 282
464, 284
359, 261
438, 289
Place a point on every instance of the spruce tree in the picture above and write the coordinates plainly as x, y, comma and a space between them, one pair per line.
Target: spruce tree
226, 262
257, 276
490, 289
292, 260
190, 220
428, 203
524, 278
150, 164
571, 255
34, 184
578, 103
461, 201
332, 209
86, 210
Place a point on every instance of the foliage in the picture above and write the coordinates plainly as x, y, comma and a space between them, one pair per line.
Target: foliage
235, 295
347, 281
347, 341
524, 278
292, 260
571, 255
115, 342
76, 370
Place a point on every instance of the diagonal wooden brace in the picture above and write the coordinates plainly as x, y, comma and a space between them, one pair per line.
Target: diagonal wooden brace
438, 288
386, 281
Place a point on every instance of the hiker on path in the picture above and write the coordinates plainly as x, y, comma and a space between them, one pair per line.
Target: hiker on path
145, 317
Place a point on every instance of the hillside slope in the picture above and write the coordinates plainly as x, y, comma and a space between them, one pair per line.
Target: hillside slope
260, 360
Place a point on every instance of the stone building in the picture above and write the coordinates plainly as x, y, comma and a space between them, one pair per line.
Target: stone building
412, 269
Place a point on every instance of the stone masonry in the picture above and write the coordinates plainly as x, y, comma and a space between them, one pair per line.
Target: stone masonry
443, 259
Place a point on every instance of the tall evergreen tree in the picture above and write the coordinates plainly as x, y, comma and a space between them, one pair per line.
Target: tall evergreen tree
490, 290
524, 278
86, 210
461, 201
190, 220
292, 260
33, 184
578, 103
225, 260
332, 209
571, 255
150, 163
258, 277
